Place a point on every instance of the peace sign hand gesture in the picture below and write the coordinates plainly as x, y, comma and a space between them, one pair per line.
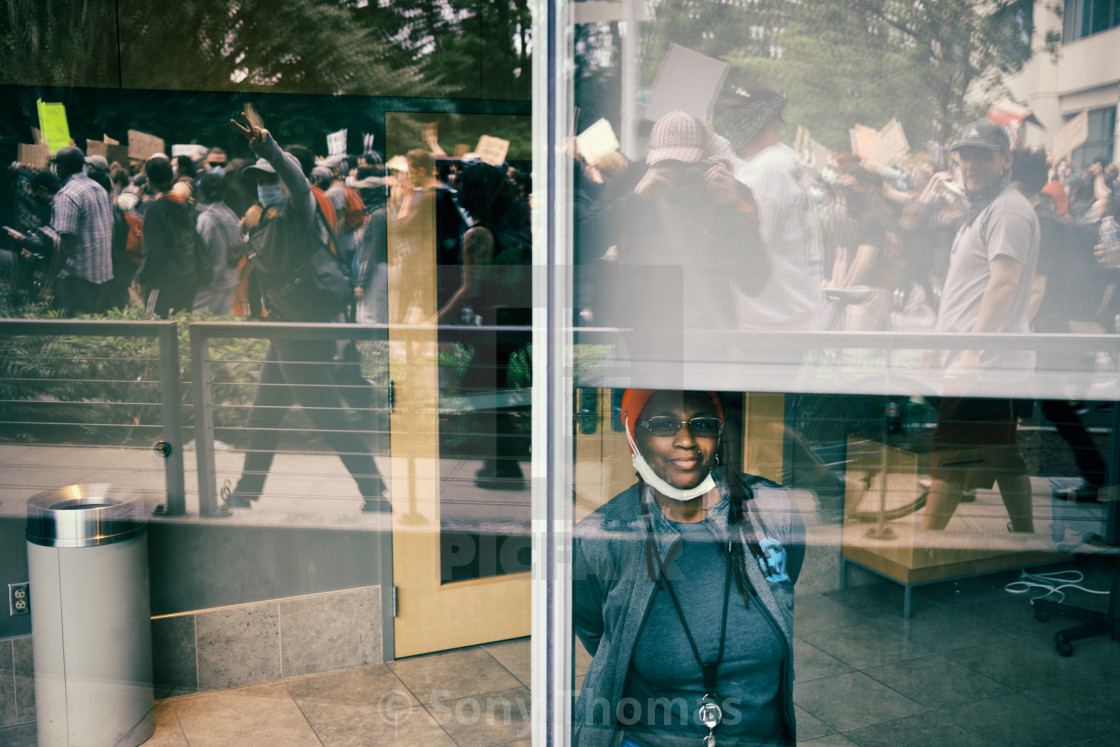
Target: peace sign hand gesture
255, 133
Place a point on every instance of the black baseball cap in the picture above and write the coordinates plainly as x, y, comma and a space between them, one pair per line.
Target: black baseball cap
984, 134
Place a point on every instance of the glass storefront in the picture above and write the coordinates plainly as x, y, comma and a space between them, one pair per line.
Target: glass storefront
641, 373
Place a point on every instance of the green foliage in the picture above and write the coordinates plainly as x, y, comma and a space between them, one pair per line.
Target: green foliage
843, 62
107, 389
39, 46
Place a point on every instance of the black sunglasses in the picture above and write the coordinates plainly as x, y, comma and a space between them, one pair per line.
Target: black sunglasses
701, 427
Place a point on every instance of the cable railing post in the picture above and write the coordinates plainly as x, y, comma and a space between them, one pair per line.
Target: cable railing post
204, 425
172, 405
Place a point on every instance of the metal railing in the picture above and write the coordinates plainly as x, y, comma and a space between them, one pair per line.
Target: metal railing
170, 445
172, 428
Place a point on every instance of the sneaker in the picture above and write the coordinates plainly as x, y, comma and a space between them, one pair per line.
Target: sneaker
235, 500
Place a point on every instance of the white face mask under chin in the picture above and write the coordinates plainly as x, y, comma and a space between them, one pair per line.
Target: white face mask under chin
658, 484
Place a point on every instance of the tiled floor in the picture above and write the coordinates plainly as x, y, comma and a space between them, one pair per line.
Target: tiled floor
971, 667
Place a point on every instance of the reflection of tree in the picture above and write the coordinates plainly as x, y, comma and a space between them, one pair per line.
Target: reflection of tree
449, 48
840, 62
40, 43
297, 46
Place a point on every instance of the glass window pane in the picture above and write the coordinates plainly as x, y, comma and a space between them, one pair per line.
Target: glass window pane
782, 225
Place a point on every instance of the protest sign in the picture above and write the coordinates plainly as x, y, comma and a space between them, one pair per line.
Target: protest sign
597, 141
492, 150
1007, 113
889, 146
37, 136
461, 149
818, 154
336, 143
688, 81
799, 142
1073, 135
34, 156
116, 153
143, 146
194, 151
863, 139
108, 140
52, 121
97, 148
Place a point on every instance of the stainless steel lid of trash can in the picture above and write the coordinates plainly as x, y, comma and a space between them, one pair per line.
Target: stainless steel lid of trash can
84, 516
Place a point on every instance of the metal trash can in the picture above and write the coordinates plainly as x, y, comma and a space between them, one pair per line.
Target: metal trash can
87, 552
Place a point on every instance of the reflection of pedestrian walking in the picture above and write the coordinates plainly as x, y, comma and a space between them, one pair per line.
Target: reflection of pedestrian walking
751, 120
295, 371
987, 289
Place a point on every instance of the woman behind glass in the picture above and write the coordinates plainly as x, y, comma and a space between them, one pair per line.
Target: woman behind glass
684, 591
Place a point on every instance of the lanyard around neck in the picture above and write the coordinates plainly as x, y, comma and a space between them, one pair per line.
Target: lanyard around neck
709, 670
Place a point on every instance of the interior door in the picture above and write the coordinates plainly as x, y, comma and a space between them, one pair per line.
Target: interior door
460, 542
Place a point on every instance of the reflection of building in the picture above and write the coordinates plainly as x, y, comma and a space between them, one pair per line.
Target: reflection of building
1083, 74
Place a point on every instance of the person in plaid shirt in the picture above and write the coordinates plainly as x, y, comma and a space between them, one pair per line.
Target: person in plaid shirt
82, 216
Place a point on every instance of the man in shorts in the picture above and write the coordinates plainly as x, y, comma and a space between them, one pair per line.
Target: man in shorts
987, 289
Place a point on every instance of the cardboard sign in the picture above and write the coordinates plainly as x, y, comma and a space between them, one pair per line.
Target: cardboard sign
116, 153
1073, 135
688, 81
863, 140
889, 146
492, 150
336, 143
108, 140
143, 146
34, 156
597, 141
37, 136
97, 148
819, 155
52, 121
801, 142
461, 149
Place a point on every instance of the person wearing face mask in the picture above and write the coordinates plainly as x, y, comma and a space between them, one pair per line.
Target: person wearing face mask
683, 591
294, 371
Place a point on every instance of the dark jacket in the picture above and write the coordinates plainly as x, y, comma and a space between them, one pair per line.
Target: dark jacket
613, 592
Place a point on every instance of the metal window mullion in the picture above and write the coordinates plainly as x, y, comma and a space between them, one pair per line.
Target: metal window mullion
551, 641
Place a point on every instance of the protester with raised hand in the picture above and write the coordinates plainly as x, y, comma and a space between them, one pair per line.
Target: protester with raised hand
294, 371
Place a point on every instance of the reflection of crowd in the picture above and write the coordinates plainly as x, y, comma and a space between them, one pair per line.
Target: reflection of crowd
996, 240
876, 239
168, 233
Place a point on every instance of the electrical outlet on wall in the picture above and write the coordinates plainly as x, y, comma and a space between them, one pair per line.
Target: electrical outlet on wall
19, 598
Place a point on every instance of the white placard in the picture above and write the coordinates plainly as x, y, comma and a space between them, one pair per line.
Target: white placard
688, 81
1073, 135
597, 141
492, 150
336, 143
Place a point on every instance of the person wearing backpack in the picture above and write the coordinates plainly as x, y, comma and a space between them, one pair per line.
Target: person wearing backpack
174, 264
351, 212
292, 238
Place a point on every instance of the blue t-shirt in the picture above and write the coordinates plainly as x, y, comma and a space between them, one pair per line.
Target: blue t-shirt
665, 686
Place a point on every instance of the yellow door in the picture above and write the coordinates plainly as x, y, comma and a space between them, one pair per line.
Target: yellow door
457, 547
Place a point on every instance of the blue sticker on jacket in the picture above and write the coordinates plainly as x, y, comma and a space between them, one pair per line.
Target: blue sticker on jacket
774, 555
